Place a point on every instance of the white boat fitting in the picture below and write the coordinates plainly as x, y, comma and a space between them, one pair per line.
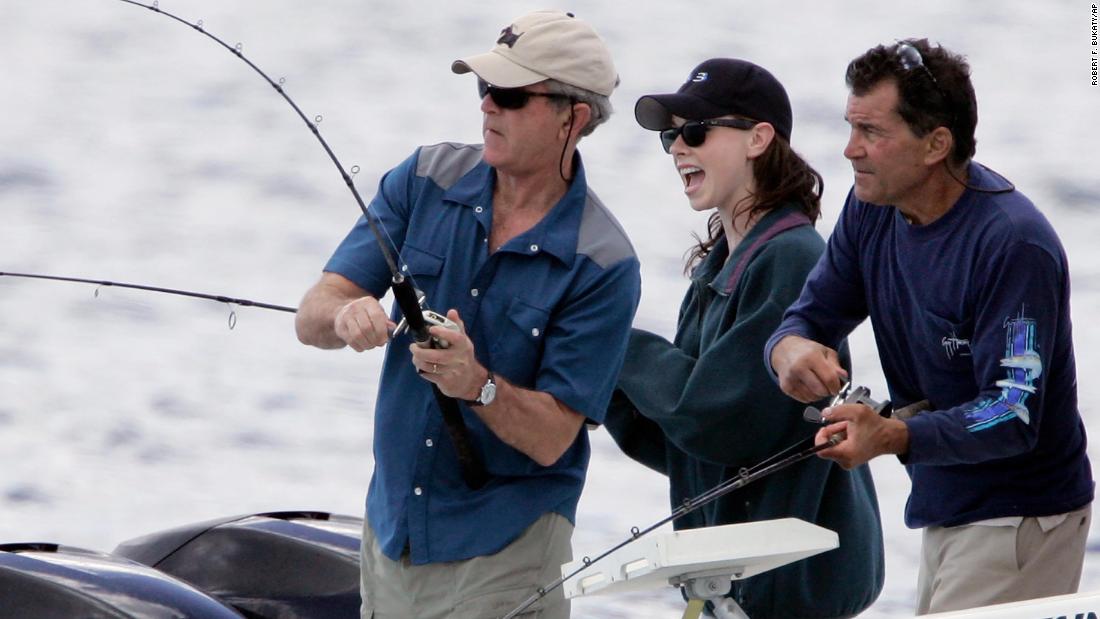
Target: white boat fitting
703, 561
1084, 605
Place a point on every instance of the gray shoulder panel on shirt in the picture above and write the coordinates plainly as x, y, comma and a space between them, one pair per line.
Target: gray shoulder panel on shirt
601, 237
447, 162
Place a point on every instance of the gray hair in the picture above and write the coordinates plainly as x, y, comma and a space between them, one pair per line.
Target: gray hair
600, 104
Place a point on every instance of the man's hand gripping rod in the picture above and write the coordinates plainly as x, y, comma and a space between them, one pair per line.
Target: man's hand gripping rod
419, 322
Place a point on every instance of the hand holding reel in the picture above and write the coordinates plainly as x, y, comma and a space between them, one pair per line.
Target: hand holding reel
848, 395
431, 319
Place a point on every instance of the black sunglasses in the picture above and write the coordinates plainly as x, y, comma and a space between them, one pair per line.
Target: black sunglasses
910, 59
694, 132
512, 98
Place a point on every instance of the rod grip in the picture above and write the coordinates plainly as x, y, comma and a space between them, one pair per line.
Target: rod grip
405, 295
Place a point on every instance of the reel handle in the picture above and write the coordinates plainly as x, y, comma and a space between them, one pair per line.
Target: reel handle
848, 395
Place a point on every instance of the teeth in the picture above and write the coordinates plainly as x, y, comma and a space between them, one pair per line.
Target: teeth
689, 170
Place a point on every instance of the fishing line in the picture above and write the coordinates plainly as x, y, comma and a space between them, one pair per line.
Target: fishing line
237, 51
409, 300
231, 301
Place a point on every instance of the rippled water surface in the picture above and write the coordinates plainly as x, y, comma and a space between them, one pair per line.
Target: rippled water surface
133, 149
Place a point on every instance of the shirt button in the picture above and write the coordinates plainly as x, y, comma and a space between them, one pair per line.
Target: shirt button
417, 491
535, 332
474, 292
429, 442
478, 209
405, 268
534, 247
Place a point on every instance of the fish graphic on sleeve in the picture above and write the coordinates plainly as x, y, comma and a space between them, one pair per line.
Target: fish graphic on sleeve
1023, 366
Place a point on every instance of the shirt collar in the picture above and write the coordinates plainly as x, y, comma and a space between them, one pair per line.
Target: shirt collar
556, 234
985, 179
722, 275
980, 181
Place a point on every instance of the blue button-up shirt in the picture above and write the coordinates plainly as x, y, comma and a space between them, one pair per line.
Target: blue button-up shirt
550, 310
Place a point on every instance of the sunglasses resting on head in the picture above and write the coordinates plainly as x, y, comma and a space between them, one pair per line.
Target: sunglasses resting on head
694, 132
910, 59
512, 98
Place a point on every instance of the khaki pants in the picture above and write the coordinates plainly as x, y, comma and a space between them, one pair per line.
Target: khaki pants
487, 587
977, 565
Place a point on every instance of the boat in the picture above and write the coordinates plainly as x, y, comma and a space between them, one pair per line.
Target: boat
285, 565
305, 565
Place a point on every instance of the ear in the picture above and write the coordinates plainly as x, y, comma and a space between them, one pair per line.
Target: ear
939, 142
760, 137
581, 114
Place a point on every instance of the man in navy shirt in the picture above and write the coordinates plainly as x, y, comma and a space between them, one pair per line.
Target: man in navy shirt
542, 284
967, 288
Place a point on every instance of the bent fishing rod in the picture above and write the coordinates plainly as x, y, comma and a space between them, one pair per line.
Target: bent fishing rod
785, 458
416, 316
183, 293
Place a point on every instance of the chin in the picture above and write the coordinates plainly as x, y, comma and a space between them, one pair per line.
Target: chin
866, 195
492, 156
699, 204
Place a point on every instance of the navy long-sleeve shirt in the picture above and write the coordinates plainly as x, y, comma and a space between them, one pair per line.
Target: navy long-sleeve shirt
972, 313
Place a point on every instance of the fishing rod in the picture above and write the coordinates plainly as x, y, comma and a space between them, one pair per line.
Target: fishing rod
183, 293
745, 476
773, 464
417, 318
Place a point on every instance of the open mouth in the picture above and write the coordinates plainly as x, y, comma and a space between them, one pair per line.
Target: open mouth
692, 177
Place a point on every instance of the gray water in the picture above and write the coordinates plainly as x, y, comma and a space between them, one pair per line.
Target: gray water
134, 149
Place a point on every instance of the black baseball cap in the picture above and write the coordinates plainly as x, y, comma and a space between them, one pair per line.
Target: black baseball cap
718, 87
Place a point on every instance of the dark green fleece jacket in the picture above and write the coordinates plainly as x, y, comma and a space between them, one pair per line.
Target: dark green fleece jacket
702, 407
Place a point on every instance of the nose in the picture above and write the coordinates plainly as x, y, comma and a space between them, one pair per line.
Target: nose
678, 147
488, 106
854, 149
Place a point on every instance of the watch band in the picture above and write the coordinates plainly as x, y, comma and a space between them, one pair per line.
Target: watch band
487, 394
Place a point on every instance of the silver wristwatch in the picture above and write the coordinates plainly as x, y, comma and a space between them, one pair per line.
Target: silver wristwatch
488, 393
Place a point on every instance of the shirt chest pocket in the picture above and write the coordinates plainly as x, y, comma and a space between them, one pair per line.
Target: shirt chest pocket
423, 266
947, 344
517, 347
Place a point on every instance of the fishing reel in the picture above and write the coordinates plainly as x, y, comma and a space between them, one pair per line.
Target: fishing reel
431, 319
436, 319
849, 395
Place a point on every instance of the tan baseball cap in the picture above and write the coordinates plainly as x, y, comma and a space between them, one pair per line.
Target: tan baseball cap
545, 45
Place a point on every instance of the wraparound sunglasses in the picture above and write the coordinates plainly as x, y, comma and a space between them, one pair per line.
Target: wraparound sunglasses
512, 98
694, 132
